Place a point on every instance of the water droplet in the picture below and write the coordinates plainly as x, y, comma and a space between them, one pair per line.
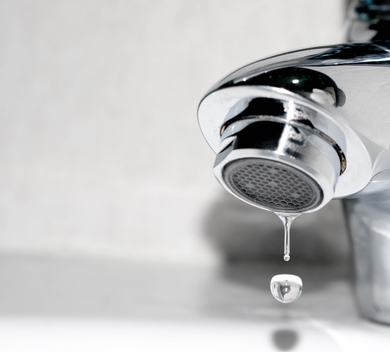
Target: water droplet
286, 288
287, 220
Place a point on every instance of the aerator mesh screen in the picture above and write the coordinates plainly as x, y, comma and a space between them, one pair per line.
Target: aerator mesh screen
273, 185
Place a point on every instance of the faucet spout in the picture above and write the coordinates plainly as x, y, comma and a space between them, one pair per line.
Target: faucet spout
334, 92
295, 130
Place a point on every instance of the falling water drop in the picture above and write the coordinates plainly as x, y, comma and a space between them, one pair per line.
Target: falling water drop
286, 288
287, 220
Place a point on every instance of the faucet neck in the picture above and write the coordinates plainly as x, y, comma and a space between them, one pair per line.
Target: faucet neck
369, 21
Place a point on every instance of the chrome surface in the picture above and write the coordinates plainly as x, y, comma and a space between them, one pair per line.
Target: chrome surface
299, 148
369, 222
337, 99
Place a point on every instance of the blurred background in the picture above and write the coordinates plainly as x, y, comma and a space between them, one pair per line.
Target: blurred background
100, 150
105, 178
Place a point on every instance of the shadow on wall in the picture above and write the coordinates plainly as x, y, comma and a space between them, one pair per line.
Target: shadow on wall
244, 233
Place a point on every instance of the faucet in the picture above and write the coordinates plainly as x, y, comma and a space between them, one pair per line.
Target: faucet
293, 131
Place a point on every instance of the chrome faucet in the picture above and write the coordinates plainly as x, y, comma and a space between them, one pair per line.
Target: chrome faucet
295, 130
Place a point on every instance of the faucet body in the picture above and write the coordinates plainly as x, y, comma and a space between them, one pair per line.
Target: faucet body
320, 115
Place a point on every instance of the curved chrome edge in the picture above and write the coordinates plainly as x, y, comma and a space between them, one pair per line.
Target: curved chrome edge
358, 54
360, 159
230, 130
216, 108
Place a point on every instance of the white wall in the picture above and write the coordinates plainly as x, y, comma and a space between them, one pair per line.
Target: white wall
100, 151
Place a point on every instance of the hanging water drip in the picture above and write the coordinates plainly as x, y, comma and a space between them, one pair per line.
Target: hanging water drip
287, 220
